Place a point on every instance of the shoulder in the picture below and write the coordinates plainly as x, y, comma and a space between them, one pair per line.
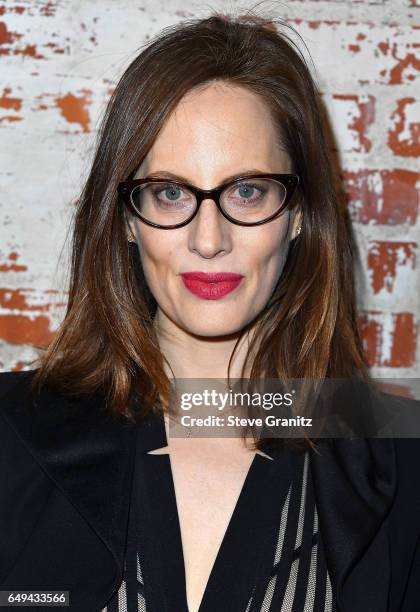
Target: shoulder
407, 462
405, 510
24, 485
13, 387
12, 384
404, 516
10, 381
20, 467
395, 402
15, 395
405, 413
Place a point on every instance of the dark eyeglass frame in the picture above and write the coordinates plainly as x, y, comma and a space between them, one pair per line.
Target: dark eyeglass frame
290, 182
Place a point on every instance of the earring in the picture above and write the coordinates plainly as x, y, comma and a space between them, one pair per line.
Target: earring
131, 237
298, 230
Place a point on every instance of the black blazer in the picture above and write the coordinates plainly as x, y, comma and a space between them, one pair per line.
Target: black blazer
66, 471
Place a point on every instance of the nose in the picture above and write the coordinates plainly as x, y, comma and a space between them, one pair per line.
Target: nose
209, 231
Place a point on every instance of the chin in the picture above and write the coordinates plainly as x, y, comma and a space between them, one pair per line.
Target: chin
211, 329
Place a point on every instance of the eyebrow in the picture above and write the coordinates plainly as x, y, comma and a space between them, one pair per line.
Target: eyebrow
182, 179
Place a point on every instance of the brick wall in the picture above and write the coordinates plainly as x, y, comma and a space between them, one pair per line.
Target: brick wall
60, 61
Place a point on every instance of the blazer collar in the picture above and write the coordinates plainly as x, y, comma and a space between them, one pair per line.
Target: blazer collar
355, 484
90, 457
87, 454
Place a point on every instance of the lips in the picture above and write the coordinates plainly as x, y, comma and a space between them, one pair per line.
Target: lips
212, 277
211, 286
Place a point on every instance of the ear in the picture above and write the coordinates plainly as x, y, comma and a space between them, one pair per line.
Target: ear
296, 224
130, 228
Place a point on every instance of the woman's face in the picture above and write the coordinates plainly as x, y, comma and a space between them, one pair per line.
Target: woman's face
216, 132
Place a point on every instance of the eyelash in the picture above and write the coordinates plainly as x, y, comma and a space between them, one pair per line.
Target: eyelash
160, 188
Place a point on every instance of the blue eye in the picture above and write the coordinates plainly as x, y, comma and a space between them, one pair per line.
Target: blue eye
172, 192
169, 195
245, 190
250, 192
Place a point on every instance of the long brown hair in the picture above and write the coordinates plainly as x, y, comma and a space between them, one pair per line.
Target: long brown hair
107, 340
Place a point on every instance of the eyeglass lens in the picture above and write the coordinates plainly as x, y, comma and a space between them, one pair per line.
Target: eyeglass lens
166, 203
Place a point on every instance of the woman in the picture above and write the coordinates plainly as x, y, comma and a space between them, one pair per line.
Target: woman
212, 160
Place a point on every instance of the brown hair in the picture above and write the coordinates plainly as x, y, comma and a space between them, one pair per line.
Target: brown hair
107, 340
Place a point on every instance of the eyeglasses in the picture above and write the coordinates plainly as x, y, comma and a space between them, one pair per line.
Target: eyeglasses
247, 200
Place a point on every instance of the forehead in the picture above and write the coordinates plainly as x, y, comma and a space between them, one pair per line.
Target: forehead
216, 128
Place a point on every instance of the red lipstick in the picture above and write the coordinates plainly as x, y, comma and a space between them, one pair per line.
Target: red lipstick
211, 286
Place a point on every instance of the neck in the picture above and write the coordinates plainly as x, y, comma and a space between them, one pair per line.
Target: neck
192, 356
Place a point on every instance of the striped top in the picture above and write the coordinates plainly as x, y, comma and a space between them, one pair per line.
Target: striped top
271, 558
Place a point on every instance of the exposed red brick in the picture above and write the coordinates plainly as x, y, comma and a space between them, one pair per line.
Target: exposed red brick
404, 345
48, 9
398, 140
404, 59
18, 366
12, 9
22, 329
12, 267
386, 197
30, 51
396, 74
18, 299
31, 323
11, 118
6, 101
396, 330
56, 48
361, 123
314, 24
10, 103
385, 259
384, 47
74, 108
7, 37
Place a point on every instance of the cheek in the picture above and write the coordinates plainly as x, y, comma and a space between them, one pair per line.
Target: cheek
268, 250
156, 253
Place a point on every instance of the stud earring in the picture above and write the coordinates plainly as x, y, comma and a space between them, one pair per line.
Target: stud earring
298, 230
131, 237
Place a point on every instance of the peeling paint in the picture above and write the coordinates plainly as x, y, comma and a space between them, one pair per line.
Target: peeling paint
75, 108
388, 197
6, 101
21, 329
20, 299
389, 339
10, 265
7, 37
386, 260
404, 138
361, 119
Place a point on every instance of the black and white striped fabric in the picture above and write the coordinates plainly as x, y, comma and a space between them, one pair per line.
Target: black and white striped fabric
271, 558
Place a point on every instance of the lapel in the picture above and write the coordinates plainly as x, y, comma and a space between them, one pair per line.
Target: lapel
89, 456
355, 483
